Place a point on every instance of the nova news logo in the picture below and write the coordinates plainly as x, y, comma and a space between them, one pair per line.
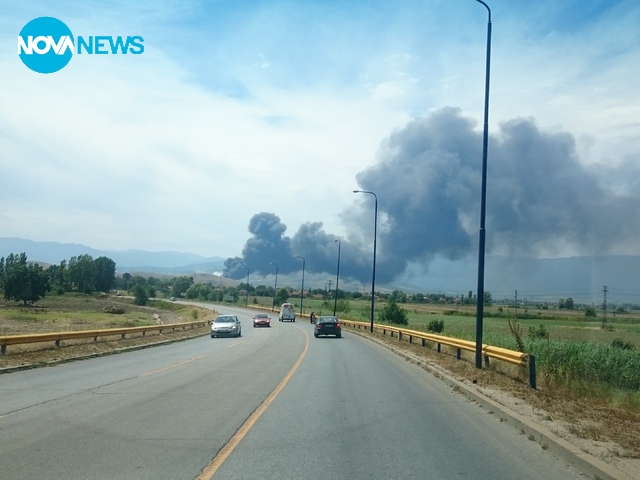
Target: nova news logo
46, 45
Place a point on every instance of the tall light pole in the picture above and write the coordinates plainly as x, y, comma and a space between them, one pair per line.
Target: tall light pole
335, 302
302, 290
246, 302
375, 232
275, 287
483, 201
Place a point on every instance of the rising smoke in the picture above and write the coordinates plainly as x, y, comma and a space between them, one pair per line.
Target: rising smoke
540, 200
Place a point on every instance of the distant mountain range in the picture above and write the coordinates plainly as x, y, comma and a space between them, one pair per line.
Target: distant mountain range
581, 278
174, 263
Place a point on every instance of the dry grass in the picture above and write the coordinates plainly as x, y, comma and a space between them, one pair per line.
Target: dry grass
87, 313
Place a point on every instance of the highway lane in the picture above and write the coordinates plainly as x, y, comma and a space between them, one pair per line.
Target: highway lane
355, 410
159, 413
350, 410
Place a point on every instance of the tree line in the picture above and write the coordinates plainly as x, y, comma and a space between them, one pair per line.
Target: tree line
28, 282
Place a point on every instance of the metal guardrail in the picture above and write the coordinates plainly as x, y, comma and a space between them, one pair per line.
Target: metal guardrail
57, 337
488, 351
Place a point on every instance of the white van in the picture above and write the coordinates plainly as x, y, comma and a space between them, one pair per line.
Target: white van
287, 313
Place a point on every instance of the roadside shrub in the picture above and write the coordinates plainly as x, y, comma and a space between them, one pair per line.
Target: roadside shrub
141, 297
393, 313
540, 332
343, 306
436, 326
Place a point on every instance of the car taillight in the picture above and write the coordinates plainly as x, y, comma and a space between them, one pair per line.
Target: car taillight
337, 325
318, 325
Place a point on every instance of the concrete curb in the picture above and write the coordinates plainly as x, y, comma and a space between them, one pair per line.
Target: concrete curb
583, 461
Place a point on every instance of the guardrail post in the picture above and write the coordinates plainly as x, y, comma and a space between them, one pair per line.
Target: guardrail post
532, 371
3, 349
439, 349
424, 342
399, 336
410, 338
458, 353
57, 342
486, 360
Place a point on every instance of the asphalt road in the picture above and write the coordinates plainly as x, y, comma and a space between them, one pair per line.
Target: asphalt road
342, 409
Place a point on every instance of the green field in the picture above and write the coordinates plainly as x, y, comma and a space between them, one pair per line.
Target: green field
578, 353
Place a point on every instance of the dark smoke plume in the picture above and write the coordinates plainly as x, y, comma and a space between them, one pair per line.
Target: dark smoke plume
540, 200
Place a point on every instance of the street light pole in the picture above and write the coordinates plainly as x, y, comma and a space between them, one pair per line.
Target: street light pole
335, 303
483, 201
275, 288
246, 302
375, 234
302, 290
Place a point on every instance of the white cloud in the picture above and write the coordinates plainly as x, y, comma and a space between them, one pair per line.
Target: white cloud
234, 109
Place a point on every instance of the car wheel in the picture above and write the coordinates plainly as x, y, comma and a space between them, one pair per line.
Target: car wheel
213, 336
339, 335
315, 335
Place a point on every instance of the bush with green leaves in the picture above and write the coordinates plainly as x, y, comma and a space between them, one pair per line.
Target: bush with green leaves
436, 326
540, 332
140, 295
393, 313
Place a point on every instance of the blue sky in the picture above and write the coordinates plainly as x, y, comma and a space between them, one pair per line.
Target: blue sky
237, 108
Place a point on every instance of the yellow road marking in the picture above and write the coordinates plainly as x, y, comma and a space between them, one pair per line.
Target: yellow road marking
224, 453
172, 366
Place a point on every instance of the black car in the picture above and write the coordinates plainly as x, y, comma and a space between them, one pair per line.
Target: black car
327, 326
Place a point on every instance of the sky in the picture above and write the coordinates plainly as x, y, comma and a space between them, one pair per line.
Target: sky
243, 128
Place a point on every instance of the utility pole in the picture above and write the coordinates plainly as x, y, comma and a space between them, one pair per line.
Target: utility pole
516, 302
605, 289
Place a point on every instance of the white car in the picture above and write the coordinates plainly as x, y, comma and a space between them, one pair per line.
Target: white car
226, 326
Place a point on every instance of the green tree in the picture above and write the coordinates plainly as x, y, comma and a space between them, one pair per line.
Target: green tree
126, 277
590, 312
58, 277
181, 285
82, 273
488, 301
399, 296
24, 282
105, 274
393, 313
140, 294
568, 303
282, 296
2, 273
